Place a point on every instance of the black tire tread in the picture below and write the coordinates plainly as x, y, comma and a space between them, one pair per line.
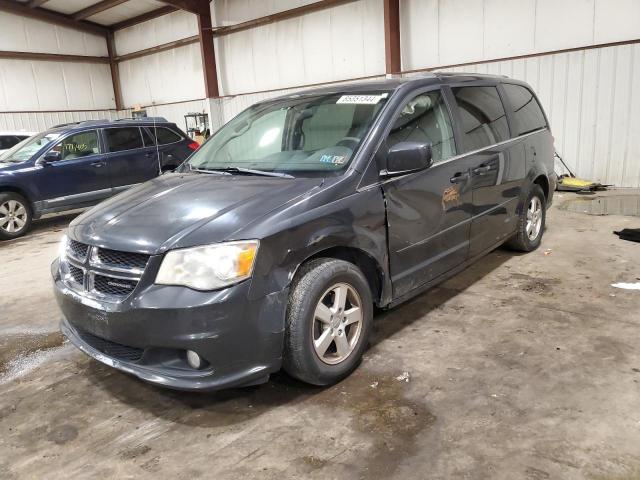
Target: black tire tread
520, 242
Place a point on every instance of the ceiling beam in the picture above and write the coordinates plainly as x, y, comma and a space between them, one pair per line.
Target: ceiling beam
159, 12
36, 3
54, 57
276, 17
192, 6
52, 17
96, 8
392, 36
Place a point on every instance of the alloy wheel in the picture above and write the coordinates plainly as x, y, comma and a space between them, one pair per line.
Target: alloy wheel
534, 218
13, 216
337, 323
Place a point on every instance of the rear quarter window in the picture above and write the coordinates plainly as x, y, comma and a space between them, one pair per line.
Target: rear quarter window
165, 135
527, 111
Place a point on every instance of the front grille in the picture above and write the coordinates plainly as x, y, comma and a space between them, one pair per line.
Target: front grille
113, 286
76, 274
122, 259
78, 250
103, 272
112, 349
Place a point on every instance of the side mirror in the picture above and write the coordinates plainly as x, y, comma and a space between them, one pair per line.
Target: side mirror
407, 157
51, 157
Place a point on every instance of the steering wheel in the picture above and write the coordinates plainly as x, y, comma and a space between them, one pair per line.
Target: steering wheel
349, 142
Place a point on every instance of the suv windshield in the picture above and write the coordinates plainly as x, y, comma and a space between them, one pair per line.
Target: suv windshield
310, 133
24, 150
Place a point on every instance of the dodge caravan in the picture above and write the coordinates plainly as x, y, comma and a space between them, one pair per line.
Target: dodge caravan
271, 245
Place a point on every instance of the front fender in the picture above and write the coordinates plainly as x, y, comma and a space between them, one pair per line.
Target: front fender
356, 221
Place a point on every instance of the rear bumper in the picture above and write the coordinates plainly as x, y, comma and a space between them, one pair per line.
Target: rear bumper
148, 335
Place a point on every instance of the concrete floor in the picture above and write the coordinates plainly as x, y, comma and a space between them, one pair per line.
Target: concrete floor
523, 366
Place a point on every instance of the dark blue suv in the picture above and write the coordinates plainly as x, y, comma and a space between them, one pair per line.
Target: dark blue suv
79, 164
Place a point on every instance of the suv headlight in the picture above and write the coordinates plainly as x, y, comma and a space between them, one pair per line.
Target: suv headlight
209, 267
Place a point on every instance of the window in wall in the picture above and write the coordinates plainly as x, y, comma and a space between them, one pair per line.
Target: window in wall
425, 119
526, 109
79, 145
126, 138
484, 121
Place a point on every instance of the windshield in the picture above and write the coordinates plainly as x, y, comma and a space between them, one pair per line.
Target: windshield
27, 148
314, 133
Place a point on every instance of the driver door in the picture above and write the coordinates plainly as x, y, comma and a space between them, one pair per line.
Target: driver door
80, 177
428, 212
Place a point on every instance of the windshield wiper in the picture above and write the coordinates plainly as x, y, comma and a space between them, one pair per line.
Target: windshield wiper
242, 170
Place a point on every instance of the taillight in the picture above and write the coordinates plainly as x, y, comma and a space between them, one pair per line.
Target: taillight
193, 145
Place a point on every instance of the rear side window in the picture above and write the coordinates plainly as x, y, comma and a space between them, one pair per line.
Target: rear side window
526, 109
164, 135
126, 138
7, 142
484, 121
148, 139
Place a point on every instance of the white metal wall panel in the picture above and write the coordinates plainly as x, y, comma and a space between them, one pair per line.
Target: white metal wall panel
39, 121
164, 29
44, 85
449, 32
125, 11
22, 34
333, 44
230, 12
171, 76
592, 100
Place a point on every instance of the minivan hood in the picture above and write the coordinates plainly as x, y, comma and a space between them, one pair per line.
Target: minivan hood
167, 212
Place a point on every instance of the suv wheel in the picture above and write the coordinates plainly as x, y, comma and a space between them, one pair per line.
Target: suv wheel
15, 216
531, 222
329, 319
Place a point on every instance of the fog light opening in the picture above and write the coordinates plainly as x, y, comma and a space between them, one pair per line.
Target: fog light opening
194, 360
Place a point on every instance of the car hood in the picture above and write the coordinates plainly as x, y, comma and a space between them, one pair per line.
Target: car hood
182, 210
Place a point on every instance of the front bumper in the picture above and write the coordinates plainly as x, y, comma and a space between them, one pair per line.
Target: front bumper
148, 334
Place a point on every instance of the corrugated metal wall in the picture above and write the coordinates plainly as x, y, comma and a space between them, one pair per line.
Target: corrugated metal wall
39, 121
337, 43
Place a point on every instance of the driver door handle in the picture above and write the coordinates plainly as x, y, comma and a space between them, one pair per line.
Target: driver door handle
98, 164
459, 177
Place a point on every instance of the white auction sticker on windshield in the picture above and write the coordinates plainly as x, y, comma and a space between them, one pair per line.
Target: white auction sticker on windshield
360, 99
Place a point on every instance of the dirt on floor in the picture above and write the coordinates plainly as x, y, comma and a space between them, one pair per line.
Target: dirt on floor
523, 366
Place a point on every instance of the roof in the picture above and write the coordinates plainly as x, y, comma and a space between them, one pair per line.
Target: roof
389, 84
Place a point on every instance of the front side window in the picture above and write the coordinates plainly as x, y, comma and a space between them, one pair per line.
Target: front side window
303, 133
78, 145
125, 138
484, 121
526, 109
6, 142
26, 149
425, 119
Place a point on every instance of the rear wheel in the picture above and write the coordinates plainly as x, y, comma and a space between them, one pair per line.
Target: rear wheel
329, 319
531, 222
15, 216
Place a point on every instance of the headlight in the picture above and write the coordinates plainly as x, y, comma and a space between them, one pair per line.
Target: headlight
62, 247
209, 267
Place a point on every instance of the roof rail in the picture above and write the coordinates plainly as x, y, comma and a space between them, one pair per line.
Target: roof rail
142, 119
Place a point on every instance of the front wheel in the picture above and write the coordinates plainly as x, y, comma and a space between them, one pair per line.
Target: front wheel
531, 222
15, 216
329, 319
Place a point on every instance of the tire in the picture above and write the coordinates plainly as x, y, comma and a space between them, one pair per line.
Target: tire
313, 284
524, 240
15, 216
